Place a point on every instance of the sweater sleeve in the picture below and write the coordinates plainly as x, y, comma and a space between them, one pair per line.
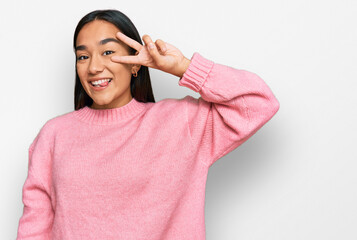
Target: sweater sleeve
234, 104
36, 220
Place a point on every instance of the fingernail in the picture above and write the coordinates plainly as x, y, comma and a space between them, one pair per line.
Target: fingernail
151, 45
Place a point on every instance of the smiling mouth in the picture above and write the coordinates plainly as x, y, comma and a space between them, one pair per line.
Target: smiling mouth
101, 83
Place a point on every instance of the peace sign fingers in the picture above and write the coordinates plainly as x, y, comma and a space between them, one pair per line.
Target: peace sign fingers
159, 55
142, 57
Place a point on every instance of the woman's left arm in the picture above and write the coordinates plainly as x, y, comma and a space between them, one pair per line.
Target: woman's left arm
234, 104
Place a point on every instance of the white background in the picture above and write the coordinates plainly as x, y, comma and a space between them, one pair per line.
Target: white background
294, 179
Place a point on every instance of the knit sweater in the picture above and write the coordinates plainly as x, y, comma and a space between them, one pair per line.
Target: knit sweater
139, 171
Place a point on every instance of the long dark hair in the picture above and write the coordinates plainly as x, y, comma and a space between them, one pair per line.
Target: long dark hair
140, 86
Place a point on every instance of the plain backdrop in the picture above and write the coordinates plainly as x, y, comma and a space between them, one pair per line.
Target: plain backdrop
294, 179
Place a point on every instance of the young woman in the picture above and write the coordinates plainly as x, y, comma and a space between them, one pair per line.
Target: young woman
122, 166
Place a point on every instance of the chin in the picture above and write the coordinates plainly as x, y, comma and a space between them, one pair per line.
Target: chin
101, 102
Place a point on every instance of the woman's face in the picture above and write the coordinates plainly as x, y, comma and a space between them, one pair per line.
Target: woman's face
96, 43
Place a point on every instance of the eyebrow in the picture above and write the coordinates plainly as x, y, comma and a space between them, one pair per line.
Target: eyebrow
102, 42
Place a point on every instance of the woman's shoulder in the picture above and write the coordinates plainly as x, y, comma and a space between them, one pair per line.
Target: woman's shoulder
169, 104
60, 119
52, 124
164, 111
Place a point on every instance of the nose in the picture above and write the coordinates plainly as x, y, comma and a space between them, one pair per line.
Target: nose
95, 65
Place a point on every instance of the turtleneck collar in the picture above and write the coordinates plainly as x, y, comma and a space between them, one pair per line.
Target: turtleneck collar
110, 115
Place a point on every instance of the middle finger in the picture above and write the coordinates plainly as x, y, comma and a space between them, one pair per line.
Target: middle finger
130, 42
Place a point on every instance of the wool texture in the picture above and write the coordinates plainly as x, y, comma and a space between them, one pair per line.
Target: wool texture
139, 171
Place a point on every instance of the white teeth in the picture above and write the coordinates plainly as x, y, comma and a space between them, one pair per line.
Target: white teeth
100, 81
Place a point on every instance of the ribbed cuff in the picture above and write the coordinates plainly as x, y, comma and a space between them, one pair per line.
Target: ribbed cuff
196, 73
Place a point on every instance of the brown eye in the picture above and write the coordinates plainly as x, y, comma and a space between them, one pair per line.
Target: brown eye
108, 52
82, 57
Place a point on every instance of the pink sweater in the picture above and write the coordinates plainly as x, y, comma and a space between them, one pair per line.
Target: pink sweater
139, 171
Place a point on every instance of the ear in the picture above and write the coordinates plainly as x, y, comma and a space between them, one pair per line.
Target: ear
135, 68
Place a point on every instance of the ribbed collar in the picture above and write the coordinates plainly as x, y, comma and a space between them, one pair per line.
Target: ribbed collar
110, 115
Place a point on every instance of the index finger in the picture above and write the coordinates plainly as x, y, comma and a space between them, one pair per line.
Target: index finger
130, 42
126, 59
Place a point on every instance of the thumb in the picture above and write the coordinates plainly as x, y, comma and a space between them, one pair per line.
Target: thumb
154, 52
